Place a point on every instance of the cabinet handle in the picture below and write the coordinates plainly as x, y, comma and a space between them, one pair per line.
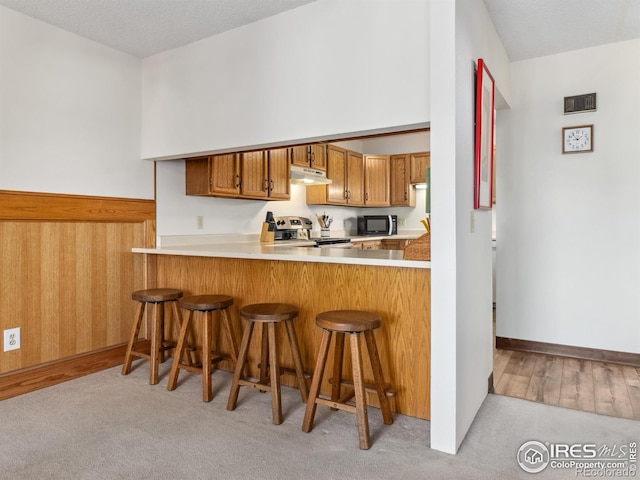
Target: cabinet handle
405, 195
366, 196
266, 184
238, 182
271, 185
312, 156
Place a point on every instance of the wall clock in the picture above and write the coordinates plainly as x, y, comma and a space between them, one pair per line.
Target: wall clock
577, 139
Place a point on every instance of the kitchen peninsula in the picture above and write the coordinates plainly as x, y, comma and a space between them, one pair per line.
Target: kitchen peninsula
317, 279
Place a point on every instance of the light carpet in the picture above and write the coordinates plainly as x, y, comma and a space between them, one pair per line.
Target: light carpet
109, 426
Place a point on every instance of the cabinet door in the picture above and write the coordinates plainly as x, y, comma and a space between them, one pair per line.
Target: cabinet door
419, 163
371, 245
336, 171
376, 180
300, 156
253, 175
388, 244
355, 178
318, 154
225, 177
279, 174
402, 193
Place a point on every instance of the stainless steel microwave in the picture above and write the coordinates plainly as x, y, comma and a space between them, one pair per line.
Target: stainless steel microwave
378, 225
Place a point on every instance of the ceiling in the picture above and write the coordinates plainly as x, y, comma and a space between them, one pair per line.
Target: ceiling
527, 28
146, 27
535, 28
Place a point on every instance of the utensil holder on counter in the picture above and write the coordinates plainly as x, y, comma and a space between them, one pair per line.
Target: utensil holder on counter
267, 236
325, 233
419, 249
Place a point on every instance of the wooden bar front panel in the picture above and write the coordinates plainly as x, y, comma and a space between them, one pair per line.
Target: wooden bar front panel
400, 295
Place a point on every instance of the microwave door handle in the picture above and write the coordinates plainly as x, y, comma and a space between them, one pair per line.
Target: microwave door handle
390, 226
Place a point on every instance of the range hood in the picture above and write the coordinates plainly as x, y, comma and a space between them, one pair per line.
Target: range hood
308, 176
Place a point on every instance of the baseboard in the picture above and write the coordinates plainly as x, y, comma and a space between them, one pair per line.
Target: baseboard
595, 354
33, 378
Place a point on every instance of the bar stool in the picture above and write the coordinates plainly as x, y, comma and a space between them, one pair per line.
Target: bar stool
158, 297
207, 304
353, 323
269, 315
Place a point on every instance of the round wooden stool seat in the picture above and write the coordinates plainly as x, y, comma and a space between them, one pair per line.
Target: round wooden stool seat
348, 321
205, 303
269, 312
355, 324
268, 315
157, 295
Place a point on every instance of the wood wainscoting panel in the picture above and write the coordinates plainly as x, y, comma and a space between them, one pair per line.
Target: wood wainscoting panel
66, 277
61, 207
68, 286
400, 295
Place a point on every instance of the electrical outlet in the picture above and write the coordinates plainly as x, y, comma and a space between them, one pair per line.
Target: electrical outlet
401, 222
199, 222
12, 339
472, 222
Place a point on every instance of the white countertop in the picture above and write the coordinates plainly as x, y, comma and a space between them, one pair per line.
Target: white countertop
293, 250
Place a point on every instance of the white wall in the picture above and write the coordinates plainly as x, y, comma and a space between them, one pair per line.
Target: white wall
568, 229
69, 113
461, 298
329, 67
177, 212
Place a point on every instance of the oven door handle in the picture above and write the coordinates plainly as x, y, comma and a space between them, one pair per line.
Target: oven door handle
390, 225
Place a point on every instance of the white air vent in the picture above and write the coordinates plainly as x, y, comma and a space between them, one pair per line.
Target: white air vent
580, 103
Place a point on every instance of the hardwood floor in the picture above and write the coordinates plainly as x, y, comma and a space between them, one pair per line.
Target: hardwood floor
603, 388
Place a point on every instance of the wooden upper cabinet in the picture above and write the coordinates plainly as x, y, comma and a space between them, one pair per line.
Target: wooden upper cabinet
311, 156
279, 174
355, 179
300, 156
225, 174
259, 175
376, 181
419, 164
197, 176
402, 193
214, 175
336, 191
346, 171
254, 175
318, 154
